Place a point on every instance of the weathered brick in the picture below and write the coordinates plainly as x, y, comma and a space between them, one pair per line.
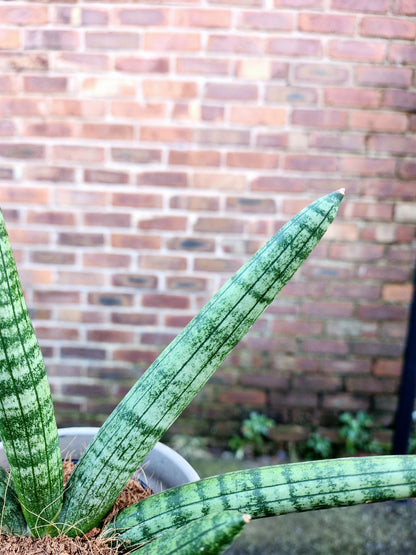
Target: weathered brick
49, 129
360, 98
327, 23
106, 260
142, 17
400, 100
354, 50
45, 84
186, 283
227, 182
162, 262
194, 157
165, 134
104, 87
327, 119
174, 223
110, 336
133, 319
202, 66
135, 64
51, 39
163, 179
335, 141
259, 115
381, 312
406, 212
251, 205
68, 107
233, 43
111, 299
191, 244
407, 169
378, 121
136, 155
388, 27
50, 257
113, 40
299, 46
24, 15
253, 160
169, 41
222, 136
367, 166
373, 6
318, 73
223, 265
169, 89
266, 20
210, 19
141, 200
225, 91
402, 53
381, 76
108, 131
106, 176
82, 61
55, 174
79, 154
80, 239
310, 162
159, 300
194, 203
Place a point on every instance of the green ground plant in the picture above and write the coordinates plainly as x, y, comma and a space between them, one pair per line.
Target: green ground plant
253, 439
195, 517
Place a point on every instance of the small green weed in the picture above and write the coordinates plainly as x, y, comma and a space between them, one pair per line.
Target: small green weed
253, 439
356, 434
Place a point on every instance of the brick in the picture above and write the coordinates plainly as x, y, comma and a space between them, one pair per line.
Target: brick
354, 50
136, 281
194, 203
370, 6
386, 367
113, 40
133, 319
142, 17
401, 293
20, 107
400, 100
388, 27
258, 115
407, 169
238, 44
156, 262
221, 225
103, 87
135, 64
370, 385
60, 297
291, 95
368, 166
50, 217
345, 402
81, 278
378, 121
299, 46
156, 338
265, 381
165, 134
23, 61
318, 73
54, 174
318, 383
252, 160
266, 20
82, 61
169, 89
389, 77
304, 162
335, 141
191, 244
381, 312
173, 223
326, 23
24, 15
261, 69
400, 53
110, 336
136, 155
327, 119
80, 239
50, 39
53, 333
194, 158
49, 129
168, 42
107, 219
217, 265
294, 399
206, 19
108, 131
54, 258
404, 7
106, 260
384, 273
137, 200
225, 91
31, 237
106, 176
224, 182
348, 97
23, 151
111, 299
251, 205
163, 179
221, 136
194, 111
83, 353
186, 283
86, 109
10, 39
333, 309
243, 397
78, 154
45, 84
158, 300
135, 356
202, 66
359, 252
298, 327
405, 212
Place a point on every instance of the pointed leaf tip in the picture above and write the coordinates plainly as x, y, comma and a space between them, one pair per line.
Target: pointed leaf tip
341, 191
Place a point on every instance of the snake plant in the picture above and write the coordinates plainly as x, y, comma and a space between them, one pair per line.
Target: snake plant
205, 515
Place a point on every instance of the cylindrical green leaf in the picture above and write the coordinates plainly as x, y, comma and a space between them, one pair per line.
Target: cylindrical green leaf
27, 421
178, 374
210, 535
270, 491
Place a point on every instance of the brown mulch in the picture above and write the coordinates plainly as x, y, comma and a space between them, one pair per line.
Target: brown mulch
91, 544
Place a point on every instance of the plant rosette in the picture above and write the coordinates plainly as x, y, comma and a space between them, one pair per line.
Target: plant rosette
203, 515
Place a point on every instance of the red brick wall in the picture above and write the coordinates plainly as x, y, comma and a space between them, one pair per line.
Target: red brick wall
147, 149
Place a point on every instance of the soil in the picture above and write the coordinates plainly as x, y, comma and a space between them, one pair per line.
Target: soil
91, 544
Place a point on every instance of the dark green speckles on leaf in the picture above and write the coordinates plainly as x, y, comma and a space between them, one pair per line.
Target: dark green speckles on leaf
268, 491
27, 421
179, 373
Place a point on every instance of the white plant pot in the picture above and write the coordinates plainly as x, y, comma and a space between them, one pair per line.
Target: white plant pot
162, 469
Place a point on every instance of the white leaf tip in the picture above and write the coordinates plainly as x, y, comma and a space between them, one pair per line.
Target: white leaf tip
341, 191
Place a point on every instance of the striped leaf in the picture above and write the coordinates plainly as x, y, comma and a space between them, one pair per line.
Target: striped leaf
27, 422
178, 374
270, 491
210, 535
12, 520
